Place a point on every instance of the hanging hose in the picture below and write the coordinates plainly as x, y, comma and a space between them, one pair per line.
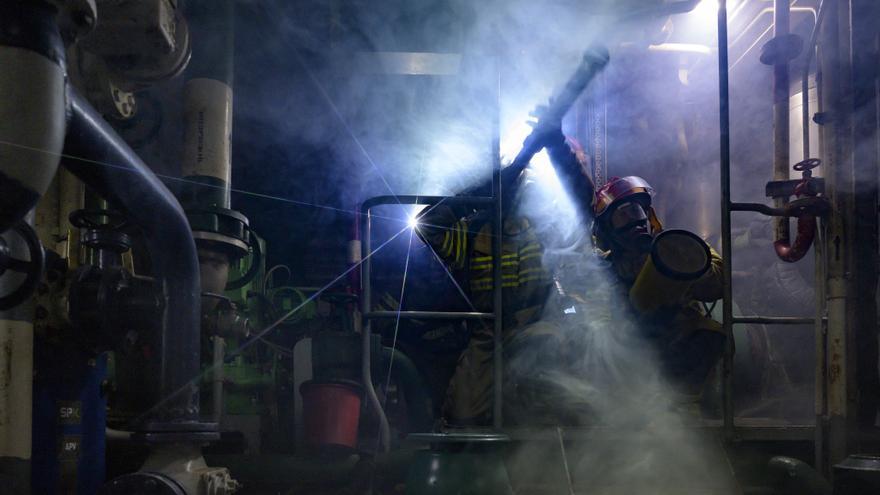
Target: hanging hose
806, 226
806, 232
367, 377
420, 417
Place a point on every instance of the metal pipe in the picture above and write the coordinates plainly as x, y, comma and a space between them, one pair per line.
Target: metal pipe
207, 161
805, 80
772, 320
429, 315
781, 18
759, 208
32, 107
497, 233
820, 322
32, 127
366, 332
726, 241
420, 415
673, 8
409, 199
101, 159
16, 382
219, 349
864, 41
835, 69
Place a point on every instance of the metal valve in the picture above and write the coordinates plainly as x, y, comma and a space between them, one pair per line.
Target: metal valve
31, 268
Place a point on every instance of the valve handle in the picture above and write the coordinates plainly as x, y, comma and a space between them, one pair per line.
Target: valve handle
33, 268
92, 219
808, 164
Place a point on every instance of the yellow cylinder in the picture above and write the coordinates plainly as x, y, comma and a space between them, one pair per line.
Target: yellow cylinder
677, 259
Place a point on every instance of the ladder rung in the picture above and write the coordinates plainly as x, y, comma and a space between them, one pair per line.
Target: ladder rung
773, 320
430, 315
410, 199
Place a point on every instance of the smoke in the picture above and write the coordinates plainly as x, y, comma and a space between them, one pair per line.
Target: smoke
323, 122
634, 431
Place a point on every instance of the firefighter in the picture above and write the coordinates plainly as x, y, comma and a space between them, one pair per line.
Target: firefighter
686, 340
463, 239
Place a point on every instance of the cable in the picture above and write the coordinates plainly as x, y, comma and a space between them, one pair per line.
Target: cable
271, 271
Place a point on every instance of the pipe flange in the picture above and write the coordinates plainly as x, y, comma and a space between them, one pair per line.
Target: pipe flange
163, 433
782, 49
143, 483
223, 228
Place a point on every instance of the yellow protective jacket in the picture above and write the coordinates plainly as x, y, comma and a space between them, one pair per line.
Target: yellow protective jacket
465, 245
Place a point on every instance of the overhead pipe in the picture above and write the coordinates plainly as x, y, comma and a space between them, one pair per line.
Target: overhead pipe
726, 240
667, 9
96, 154
207, 164
781, 17
786, 250
222, 234
805, 80
32, 107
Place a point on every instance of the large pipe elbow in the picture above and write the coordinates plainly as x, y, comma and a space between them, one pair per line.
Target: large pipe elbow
102, 160
33, 106
793, 251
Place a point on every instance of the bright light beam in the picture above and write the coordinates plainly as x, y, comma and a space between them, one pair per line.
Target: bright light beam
413, 222
259, 335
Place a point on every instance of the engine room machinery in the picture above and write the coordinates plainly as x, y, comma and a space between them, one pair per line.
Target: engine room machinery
209, 284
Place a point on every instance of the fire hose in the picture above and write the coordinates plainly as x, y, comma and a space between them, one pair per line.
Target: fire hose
594, 60
807, 208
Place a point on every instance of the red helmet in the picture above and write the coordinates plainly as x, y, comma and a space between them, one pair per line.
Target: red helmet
619, 188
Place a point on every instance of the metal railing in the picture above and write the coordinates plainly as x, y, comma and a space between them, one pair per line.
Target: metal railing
368, 312
730, 428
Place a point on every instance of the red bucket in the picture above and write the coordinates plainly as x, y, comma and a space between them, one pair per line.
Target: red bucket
331, 413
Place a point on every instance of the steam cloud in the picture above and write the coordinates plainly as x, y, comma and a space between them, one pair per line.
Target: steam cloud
368, 134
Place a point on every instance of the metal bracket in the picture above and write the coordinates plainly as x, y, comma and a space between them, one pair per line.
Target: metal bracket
784, 188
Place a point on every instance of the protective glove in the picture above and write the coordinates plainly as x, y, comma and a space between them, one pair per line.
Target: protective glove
546, 130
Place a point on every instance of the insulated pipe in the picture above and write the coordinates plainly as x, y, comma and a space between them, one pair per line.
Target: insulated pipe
32, 105
207, 162
32, 127
108, 165
781, 15
16, 381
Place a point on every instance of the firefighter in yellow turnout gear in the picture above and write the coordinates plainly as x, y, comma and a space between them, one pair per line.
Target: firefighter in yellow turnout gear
464, 241
687, 341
